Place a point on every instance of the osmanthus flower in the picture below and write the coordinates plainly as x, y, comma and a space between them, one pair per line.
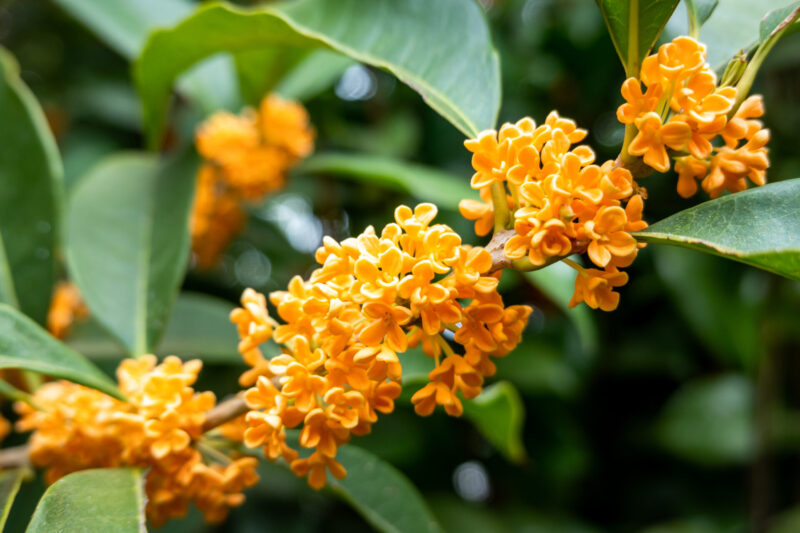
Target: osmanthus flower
246, 157
684, 110
560, 201
158, 428
66, 307
346, 327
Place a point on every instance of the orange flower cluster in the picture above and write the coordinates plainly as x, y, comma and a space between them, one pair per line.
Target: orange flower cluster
374, 296
157, 428
684, 110
561, 202
66, 307
247, 157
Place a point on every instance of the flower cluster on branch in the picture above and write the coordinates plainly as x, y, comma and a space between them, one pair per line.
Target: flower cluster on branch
560, 202
683, 109
246, 157
75, 428
372, 298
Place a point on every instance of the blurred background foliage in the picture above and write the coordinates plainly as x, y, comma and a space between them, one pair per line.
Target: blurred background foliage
678, 413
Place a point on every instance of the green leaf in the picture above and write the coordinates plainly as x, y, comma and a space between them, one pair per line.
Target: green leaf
315, 73
773, 19
698, 12
295, 73
102, 499
710, 421
262, 68
557, 282
450, 60
759, 227
498, 413
10, 481
128, 242
743, 15
198, 328
423, 183
30, 198
381, 494
634, 26
124, 26
25, 345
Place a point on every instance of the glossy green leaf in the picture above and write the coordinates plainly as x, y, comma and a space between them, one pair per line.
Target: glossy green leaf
103, 499
128, 243
198, 328
296, 73
10, 481
315, 73
423, 183
499, 415
24, 344
759, 227
557, 282
31, 196
744, 15
709, 422
772, 20
381, 494
124, 26
634, 26
698, 13
260, 69
450, 60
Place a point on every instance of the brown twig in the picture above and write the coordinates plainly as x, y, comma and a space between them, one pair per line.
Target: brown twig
14, 456
226, 411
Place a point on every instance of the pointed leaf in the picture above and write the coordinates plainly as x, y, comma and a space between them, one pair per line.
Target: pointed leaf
103, 499
25, 345
753, 22
315, 73
124, 26
198, 328
499, 415
30, 198
634, 26
381, 494
450, 60
759, 227
423, 183
10, 480
128, 243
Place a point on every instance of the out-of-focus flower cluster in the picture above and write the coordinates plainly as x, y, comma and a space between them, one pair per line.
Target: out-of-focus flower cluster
247, 156
561, 203
374, 296
66, 307
76, 428
684, 109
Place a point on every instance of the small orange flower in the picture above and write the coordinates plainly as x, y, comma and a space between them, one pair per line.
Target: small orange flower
66, 307
596, 288
654, 137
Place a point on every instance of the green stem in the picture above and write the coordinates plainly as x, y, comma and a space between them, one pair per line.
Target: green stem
12, 393
749, 76
633, 64
500, 204
694, 24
